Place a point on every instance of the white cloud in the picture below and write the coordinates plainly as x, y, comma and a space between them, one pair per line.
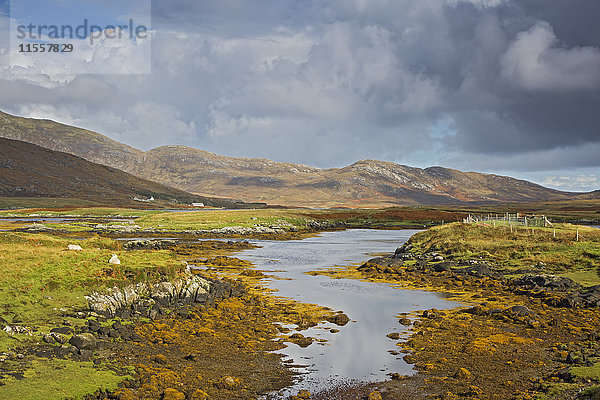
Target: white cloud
581, 182
536, 62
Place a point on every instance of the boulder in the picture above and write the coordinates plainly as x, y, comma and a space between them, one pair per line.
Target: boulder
84, 341
172, 394
339, 319
74, 247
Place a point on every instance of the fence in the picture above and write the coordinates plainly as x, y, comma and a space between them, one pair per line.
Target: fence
508, 219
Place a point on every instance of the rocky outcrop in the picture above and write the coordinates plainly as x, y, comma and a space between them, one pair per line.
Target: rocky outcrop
148, 299
555, 291
150, 244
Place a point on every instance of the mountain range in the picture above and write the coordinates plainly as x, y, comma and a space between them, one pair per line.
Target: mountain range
366, 183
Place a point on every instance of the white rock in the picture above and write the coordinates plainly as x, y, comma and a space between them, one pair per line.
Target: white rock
75, 247
114, 259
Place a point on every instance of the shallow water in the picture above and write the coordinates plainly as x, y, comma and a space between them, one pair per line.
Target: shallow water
360, 351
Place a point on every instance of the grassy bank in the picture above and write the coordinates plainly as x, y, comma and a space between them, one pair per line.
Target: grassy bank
41, 279
567, 250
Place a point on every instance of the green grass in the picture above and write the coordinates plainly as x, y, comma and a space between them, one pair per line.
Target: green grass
592, 372
556, 247
39, 277
220, 218
59, 379
40, 281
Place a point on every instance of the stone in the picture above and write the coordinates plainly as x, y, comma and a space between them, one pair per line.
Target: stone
462, 374
172, 394
159, 359
114, 260
59, 338
519, 311
409, 359
63, 330
86, 354
339, 319
304, 394
47, 338
63, 351
199, 395
84, 341
74, 247
375, 395
228, 382
404, 321
393, 335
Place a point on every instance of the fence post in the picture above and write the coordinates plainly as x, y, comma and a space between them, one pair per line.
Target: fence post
578, 235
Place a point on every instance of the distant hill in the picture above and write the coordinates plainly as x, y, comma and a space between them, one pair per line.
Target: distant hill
367, 183
28, 170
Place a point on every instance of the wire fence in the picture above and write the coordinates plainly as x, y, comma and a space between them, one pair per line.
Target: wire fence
508, 219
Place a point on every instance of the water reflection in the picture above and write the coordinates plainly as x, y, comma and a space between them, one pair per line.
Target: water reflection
361, 350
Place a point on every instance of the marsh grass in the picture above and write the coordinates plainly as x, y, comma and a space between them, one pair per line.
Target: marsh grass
557, 248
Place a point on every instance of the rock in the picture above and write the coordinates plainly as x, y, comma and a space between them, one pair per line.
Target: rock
228, 382
301, 340
59, 338
438, 258
172, 394
199, 395
304, 394
84, 341
393, 335
86, 354
114, 260
375, 395
47, 338
159, 359
441, 267
462, 374
430, 314
339, 319
191, 357
149, 297
63, 330
409, 359
519, 311
63, 351
404, 321
74, 247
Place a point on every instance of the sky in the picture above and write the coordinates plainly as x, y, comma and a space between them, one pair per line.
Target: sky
510, 87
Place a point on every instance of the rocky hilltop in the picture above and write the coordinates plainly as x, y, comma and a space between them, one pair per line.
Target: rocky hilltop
364, 183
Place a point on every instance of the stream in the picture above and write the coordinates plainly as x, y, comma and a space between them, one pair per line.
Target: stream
360, 351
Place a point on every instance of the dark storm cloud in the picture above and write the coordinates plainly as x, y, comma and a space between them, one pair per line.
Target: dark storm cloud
478, 84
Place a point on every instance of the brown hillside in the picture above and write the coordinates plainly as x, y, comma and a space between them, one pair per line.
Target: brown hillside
28, 170
367, 183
